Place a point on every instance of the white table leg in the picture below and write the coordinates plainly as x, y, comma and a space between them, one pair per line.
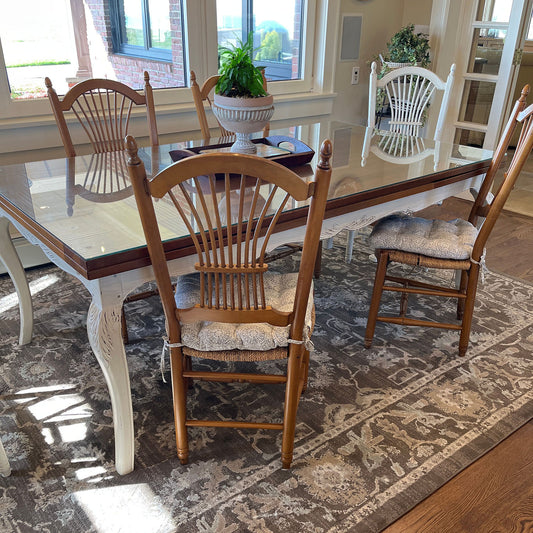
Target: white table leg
5, 469
11, 260
103, 328
350, 238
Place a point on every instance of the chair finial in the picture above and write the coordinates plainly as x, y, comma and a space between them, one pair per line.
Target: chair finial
146, 77
48, 82
132, 149
325, 154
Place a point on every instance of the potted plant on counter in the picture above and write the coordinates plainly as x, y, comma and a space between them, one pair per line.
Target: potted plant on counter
241, 104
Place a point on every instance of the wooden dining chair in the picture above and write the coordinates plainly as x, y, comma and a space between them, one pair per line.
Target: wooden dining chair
408, 92
103, 108
233, 308
203, 95
458, 245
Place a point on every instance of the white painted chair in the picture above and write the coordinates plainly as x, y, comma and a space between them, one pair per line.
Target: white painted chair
408, 91
5, 469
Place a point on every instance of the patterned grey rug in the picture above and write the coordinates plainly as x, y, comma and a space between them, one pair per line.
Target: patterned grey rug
378, 430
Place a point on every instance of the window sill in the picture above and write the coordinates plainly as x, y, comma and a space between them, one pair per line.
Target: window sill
40, 132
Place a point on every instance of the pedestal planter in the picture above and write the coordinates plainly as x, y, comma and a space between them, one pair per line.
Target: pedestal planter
243, 116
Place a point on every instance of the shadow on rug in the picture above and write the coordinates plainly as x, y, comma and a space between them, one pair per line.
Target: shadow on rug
378, 430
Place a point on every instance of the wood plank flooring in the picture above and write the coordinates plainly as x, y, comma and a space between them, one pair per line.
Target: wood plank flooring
495, 493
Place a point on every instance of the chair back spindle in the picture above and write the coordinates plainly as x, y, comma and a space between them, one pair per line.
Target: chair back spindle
103, 108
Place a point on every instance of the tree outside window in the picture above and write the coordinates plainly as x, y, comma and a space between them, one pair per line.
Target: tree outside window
276, 28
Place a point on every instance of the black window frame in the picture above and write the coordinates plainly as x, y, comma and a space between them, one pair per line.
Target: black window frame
120, 46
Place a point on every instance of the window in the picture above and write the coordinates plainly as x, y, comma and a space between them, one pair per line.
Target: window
276, 29
71, 40
74, 40
142, 28
528, 47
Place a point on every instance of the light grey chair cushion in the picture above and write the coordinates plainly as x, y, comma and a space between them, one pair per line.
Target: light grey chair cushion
280, 290
434, 238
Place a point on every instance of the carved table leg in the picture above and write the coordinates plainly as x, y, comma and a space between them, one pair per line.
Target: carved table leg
11, 260
5, 469
104, 330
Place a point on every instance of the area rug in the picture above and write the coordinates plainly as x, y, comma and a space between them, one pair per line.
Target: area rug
378, 430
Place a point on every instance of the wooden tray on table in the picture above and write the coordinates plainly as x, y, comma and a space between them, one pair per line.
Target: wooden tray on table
287, 151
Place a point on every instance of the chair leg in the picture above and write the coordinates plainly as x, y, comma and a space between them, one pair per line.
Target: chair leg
404, 300
318, 261
179, 395
305, 370
296, 352
381, 271
187, 365
461, 301
466, 325
124, 327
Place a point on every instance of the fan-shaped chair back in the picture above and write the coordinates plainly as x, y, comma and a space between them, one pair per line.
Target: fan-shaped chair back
409, 91
103, 108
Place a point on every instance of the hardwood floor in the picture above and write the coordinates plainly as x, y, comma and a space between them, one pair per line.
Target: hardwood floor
495, 493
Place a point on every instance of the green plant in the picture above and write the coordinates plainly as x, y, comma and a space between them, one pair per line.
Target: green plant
406, 46
239, 77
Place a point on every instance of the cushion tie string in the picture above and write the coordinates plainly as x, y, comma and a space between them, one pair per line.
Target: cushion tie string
482, 264
166, 345
309, 346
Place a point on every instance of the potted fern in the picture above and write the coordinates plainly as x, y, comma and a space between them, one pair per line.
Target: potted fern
241, 104
407, 48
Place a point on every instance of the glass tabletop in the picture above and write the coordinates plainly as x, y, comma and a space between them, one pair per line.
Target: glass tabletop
87, 202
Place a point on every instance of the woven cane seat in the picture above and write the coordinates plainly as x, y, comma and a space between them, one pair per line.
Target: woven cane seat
433, 238
202, 336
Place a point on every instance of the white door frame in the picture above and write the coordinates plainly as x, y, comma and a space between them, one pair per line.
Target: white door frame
451, 28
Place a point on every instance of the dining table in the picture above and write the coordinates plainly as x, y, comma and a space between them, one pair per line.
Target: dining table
82, 213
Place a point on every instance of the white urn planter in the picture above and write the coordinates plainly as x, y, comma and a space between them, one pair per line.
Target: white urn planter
394, 65
243, 116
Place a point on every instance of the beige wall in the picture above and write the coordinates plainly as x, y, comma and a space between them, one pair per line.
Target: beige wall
381, 20
417, 12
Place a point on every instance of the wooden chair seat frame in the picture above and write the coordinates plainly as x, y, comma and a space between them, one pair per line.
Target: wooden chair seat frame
231, 264
481, 209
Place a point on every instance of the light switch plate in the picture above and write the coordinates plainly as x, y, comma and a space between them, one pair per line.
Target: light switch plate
355, 75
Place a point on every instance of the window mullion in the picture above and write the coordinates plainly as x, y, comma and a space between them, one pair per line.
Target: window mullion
146, 25
247, 18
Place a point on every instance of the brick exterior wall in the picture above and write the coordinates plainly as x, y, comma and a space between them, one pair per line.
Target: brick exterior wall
127, 69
